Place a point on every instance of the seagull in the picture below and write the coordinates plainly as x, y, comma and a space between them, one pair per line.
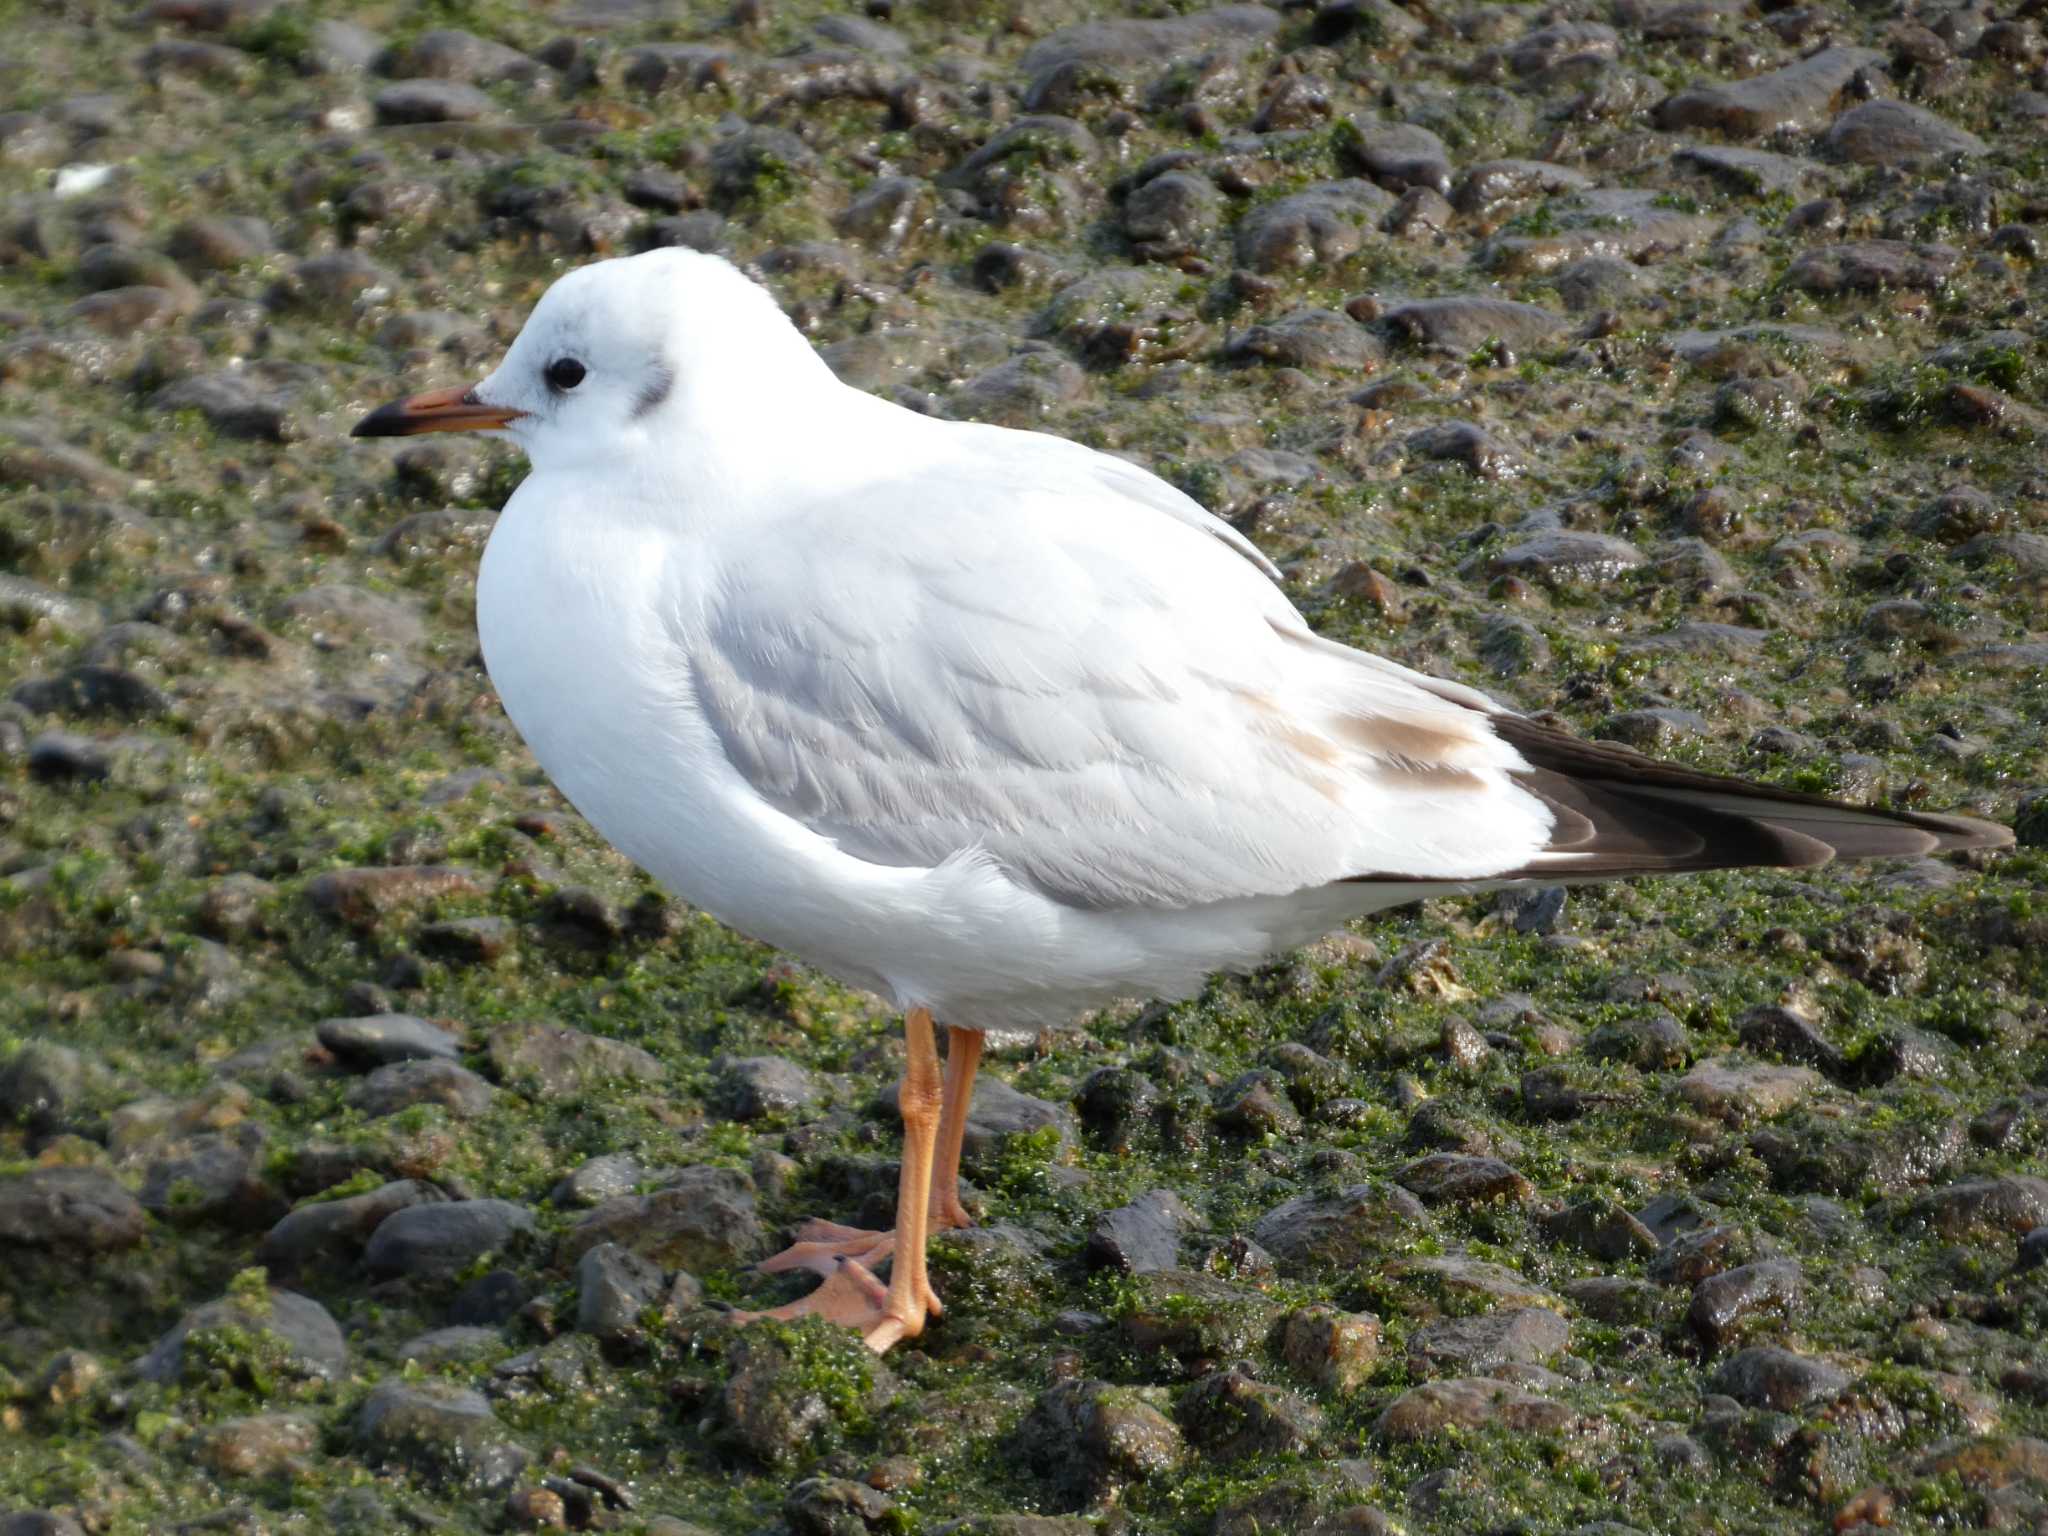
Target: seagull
993, 724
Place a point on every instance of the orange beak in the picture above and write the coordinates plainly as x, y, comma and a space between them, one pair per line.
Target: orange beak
438, 410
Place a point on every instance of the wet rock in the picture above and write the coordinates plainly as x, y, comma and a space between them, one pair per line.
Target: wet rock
1437, 1407
1172, 215
1053, 67
1788, 1035
219, 244
1192, 1318
1452, 1285
766, 1088
1398, 156
1142, 1236
448, 53
1723, 1304
1256, 1104
1472, 1346
1468, 444
212, 1178
1568, 559
1020, 390
1984, 1210
256, 1446
294, 1334
702, 1219
778, 1407
554, 1062
1898, 133
1738, 1091
1462, 324
1600, 1228
1768, 1377
1800, 95
378, 1039
1451, 1178
1340, 1232
836, 1506
1869, 266
614, 1287
600, 1179
1654, 1043
234, 404
1089, 1438
1000, 1114
402, 1084
1309, 338
467, 940
363, 898
40, 1082
1491, 183
1317, 227
1336, 1350
1231, 1415
441, 1239
329, 1233
452, 1345
1618, 1299
443, 1433
432, 101
1750, 172
73, 1211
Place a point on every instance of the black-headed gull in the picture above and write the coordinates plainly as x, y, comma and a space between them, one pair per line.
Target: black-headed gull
996, 725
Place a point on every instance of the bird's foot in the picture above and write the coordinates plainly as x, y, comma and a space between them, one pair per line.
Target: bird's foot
821, 1246
852, 1297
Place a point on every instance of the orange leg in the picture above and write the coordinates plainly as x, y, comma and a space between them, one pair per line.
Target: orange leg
963, 1056
823, 1246
851, 1295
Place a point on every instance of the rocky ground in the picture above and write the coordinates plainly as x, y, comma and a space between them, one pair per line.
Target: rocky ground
378, 1151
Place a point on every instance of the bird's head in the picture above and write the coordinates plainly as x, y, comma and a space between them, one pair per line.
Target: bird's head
671, 348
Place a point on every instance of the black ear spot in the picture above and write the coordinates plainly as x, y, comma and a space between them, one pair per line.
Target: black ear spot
563, 374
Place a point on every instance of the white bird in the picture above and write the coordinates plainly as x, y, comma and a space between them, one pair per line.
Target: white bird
998, 726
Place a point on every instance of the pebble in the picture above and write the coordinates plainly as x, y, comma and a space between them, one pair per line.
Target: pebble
440, 1239
1141, 1236
306, 1339
378, 1039
441, 1432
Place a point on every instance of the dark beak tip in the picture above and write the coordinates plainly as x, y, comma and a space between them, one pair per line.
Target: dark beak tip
385, 421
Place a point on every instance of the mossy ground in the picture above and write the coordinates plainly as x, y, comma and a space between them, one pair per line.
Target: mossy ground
249, 772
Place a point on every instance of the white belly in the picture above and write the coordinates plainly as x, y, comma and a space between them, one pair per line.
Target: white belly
583, 622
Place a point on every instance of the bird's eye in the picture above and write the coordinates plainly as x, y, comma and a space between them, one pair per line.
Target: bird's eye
564, 373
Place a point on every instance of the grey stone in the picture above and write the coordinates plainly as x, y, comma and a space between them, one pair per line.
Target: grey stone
432, 101
614, 1286
1723, 1303
69, 1211
402, 1084
1341, 1232
1089, 1439
1461, 323
1768, 1377
1899, 133
1800, 95
556, 1061
1868, 266
704, 1218
1313, 228
1471, 1346
376, 1039
1141, 1236
304, 1333
332, 1232
1568, 558
766, 1088
439, 1240
446, 1434
1309, 338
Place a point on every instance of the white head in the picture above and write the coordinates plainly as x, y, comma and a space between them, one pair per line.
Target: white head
672, 347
